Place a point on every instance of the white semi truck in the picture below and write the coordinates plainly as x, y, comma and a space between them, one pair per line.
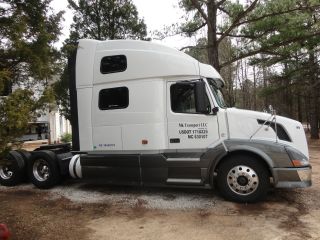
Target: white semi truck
146, 114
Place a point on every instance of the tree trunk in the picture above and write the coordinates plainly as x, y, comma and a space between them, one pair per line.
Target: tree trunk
264, 75
314, 114
314, 119
213, 46
307, 105
299, 108
254, 88
98, 19
289, 99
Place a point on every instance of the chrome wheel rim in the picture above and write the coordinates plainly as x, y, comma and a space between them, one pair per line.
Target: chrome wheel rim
242, 180
6, 172
41, 170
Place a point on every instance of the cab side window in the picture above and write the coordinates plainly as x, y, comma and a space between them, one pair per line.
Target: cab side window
113, 98
113, 64
183, 98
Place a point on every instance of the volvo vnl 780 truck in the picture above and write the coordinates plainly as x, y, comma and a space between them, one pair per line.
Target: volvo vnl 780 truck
146, 114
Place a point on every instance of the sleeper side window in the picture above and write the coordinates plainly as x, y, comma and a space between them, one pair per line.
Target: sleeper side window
183, 97
113, 64
113, 98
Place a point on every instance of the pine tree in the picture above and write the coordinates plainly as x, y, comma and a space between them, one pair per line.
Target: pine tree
106, 19
271, 33
29, 28
100, 20
249, 21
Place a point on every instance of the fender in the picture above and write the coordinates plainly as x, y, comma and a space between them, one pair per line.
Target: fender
216, 154
273, 154
254, 150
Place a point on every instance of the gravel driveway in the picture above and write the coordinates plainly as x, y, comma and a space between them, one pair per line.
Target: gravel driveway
82, 211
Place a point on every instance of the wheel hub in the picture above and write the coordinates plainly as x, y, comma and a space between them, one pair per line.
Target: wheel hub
242, 180
6, 172
41, 170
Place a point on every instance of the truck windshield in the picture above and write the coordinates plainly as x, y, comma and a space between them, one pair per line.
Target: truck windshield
216, 93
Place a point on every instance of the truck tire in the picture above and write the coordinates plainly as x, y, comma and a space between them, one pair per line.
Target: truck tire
243, 178
12, 171
26, 157
43, 169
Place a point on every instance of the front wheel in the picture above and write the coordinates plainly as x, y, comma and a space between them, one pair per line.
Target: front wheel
243, 178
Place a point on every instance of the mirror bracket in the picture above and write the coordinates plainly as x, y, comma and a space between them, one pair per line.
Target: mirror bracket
215, 110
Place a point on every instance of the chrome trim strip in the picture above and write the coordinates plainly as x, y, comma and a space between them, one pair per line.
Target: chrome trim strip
183, 159
184, 180
160, 151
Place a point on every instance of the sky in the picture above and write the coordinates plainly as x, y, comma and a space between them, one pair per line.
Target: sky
156, 14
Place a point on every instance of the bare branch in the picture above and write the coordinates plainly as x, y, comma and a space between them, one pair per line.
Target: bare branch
195, 29
220, 3
276, 14
251, 37
266, 49
238, 35
194, 47
202, 13
161, 36
237, 20
315, 84
233, 26
224, 10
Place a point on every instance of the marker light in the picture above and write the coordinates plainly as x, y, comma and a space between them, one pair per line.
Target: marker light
297, 158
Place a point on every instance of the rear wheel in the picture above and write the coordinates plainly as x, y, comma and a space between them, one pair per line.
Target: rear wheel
12, 170
43, 170
243, 178
7, 172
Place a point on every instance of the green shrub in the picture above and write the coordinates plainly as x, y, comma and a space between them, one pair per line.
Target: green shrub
66, 138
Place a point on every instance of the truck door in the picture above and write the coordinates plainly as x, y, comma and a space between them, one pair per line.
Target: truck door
187, 128
190, 132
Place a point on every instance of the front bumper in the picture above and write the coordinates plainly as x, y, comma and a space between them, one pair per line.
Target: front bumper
292, 177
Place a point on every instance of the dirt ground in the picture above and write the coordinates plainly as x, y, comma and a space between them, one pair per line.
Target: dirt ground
83, 211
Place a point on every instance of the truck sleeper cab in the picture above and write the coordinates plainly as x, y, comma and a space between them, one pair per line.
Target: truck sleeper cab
146, 114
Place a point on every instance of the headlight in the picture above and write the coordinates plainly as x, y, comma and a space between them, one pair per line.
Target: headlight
297, 158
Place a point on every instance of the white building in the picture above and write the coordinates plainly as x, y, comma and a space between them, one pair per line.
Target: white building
58, 125
49, 126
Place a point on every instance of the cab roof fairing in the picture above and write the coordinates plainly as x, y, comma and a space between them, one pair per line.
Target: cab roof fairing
179, 64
